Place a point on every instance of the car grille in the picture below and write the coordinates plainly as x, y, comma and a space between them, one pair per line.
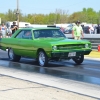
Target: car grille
71, 46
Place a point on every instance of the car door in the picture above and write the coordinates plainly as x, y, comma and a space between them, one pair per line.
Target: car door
25, 43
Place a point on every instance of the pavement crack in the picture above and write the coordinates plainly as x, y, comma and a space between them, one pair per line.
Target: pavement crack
10, 89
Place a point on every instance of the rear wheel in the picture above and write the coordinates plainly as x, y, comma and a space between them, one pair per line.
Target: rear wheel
12, 56
79, 59
42, 58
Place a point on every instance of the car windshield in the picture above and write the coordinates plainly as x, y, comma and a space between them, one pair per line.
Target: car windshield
48, 33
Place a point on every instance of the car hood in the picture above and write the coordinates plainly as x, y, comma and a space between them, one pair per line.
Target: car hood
60, 41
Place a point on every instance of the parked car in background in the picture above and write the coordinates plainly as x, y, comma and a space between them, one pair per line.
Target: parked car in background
68, 29
86, 29
44, 45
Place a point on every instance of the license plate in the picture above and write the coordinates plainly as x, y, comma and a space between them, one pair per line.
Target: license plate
71, 54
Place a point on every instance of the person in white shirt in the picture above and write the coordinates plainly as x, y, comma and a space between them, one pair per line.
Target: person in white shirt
2, 31
91, 29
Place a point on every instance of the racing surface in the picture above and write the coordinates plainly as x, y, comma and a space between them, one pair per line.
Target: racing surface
88, 71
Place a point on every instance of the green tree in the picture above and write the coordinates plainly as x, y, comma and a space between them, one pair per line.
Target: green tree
98, 17
91, 15
3, 17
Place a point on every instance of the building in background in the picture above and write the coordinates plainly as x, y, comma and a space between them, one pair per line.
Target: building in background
21, 24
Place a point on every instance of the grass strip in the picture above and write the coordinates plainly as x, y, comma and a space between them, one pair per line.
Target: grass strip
94, 54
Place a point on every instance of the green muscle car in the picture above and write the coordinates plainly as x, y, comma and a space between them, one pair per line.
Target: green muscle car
44, 44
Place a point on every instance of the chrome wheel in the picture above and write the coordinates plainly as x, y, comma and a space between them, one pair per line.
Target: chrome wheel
42, 58
11, 54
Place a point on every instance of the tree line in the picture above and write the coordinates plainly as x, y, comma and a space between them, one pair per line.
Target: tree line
59, 16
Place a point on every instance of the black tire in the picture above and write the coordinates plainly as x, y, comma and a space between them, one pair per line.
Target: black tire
12, 56
78, 60
42, 58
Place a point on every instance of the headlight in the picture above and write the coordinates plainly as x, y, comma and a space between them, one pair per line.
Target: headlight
86, 46
54, 47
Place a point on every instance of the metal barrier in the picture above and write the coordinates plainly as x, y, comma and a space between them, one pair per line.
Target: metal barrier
93, 38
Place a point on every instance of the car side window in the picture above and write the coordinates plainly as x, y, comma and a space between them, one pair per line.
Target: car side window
20, 34
25, 34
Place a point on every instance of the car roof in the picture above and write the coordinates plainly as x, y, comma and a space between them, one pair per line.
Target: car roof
36, 28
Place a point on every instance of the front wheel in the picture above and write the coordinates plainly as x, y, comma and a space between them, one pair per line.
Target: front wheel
42, 58
78, 60
12, 56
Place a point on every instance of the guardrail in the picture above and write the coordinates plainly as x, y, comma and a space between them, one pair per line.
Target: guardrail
93, 38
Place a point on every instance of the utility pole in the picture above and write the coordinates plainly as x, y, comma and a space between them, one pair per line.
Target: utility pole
17, 13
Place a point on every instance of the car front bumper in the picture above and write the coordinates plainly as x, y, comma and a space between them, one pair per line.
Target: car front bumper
66, 54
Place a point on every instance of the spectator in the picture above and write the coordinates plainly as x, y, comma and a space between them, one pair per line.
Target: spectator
95, 30
98, 29
82, 27
2, 31
77, 31
8, 31
14, 27
91, 29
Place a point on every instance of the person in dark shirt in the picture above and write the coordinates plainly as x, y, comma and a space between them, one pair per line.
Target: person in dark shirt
14, 27
98, 29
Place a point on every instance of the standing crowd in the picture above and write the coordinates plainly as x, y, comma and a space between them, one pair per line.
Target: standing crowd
7, 31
